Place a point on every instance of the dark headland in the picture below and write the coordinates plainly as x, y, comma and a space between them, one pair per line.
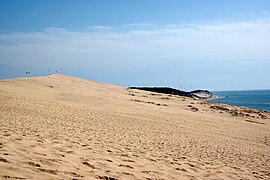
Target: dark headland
197, 94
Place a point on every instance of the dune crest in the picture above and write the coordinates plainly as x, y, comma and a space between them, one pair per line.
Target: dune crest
62, 127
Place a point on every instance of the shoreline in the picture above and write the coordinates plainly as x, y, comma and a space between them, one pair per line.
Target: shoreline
216, 97
231, 104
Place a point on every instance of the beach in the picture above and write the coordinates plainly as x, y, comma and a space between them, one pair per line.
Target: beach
63, 127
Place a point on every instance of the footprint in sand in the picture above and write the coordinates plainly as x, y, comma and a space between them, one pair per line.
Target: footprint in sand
181, 169
33, 164
126, 173
152, 172
48, 171
126, 165
106, 177
89, 165
12, 177
3, 160
73, 174
128, 160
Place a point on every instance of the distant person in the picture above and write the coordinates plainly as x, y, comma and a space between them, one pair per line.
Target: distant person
28, 73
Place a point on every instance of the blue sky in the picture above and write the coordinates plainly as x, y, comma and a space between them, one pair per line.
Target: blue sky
187, 44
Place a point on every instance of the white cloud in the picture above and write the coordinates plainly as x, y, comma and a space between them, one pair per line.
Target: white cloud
100, 28
135, 43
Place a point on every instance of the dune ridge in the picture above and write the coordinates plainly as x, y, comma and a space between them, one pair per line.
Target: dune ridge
62, 127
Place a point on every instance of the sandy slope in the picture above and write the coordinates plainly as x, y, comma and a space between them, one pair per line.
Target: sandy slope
61, 127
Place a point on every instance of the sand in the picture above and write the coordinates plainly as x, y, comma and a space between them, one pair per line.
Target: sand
62, 127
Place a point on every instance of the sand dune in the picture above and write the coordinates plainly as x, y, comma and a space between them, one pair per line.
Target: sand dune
62, 127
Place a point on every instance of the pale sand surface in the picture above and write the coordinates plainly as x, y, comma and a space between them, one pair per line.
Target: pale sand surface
61, 127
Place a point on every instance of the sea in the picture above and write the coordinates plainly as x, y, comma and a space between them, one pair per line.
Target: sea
257, 99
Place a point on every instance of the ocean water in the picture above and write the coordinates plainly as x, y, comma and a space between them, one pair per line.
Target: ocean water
258, 99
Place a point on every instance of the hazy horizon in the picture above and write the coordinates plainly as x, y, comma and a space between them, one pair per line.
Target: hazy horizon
213, 45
